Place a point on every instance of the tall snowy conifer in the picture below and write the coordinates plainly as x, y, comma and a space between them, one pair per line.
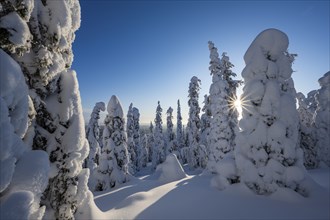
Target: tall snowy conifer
179, 128
268, 155
169, 132
307, 133
193, 126
136, 137
322, 119
130, 140
113, 167
159, 143
43, 50
143, 155
223, 124
151, 141
206, 121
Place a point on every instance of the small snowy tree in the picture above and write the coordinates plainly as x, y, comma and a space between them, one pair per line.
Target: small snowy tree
169, 132
92, 134
159, 143
130, 140
113, 168
322, 118
206, 121
307, 133
223, 124
151, 141
268, 155
143, 156
179, 140
193, 126
136, 136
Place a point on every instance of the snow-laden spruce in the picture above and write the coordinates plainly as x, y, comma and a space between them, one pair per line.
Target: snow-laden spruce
206, 121
139, 148
267, 154
197, 152
158, 155
170, 147
223, 124
93, 136
179, 138
39, 36
144, 152
307, 133
23, 172
113, 163
151, 142
130, 141
322, 118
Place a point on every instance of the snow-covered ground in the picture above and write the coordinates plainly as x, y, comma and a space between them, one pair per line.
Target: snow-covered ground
149, 196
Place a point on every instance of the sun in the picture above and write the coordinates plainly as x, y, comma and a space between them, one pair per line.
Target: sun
236, 103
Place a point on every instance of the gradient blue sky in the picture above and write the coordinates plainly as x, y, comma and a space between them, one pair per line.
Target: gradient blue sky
145, 51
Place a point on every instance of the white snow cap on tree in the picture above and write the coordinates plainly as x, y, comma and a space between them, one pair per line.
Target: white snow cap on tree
114, 108
268, 155
322, 118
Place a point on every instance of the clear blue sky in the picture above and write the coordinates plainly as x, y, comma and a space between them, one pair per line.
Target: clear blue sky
145, 51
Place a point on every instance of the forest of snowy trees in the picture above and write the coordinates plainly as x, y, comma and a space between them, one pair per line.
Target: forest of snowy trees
269, 147
50, 163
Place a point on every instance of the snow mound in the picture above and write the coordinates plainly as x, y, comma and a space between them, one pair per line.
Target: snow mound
171, 170
114, 108
272, 42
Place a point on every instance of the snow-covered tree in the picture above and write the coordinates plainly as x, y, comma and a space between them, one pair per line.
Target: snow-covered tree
193, 126
92, 134
136, 136
307, 133
23, 172
223, 124
113, 167
311, 101
130, 141
151, 142
169, 132
179, 128
158, 155
322, 118
143, 155
206, 121
267, 154
39, 36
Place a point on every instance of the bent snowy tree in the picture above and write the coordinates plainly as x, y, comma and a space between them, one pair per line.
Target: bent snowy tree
268, 155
